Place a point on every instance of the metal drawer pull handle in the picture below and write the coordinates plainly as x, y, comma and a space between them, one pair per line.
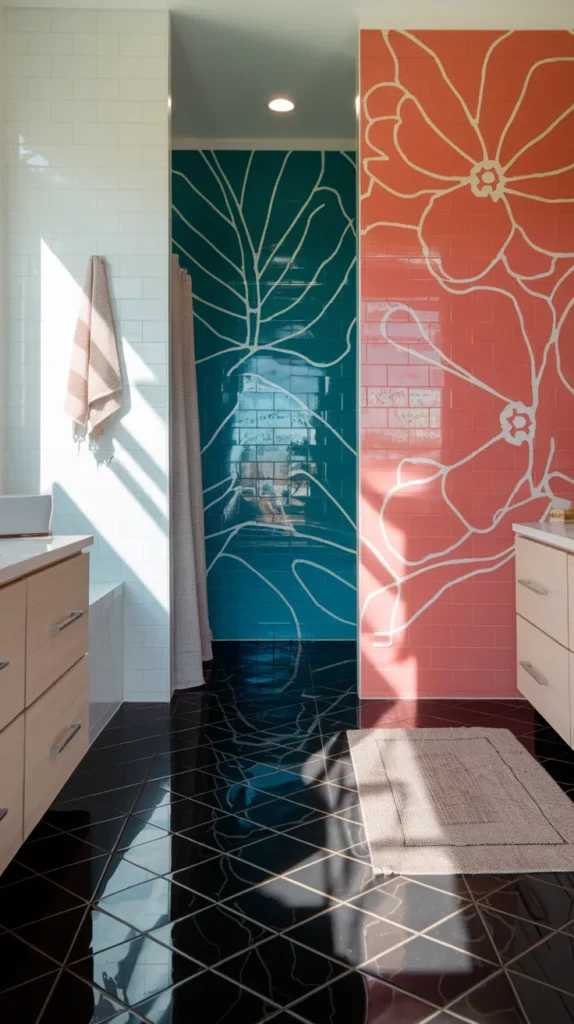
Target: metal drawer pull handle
74, 730
3, 813
536, 587
4, 664
536, 675
72, 617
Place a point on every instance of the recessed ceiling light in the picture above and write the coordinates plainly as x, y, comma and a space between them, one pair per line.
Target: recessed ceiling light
281, 105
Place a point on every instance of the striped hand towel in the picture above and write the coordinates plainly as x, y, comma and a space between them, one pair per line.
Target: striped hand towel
95, 381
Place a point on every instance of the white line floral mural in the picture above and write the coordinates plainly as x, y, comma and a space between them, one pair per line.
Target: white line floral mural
467, 360
269, 240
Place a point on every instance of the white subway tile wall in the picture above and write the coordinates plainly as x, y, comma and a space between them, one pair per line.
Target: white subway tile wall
86, 163
106, 654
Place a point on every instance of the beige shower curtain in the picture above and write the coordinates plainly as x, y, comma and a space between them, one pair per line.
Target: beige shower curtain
191, 632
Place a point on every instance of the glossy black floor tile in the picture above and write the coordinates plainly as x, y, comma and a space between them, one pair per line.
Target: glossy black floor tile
43, 830
409, 904
96, 932
153, 795
24, 1004
135, 970
227, 832
349, 935
212, 935
230, 800
467, 930
32, 900
282, 756
279, 904
15, 872
119, 754
152, 903
100, 806
326, 798
280, 815
541, 1003
207, 862
282, 783
356, 998
219, 878
339, 773
56, 852
101, 834
495, 999
337, 876
360, 851
550, 962
122, 874
96, 781
351, 814
563, 879
430, 970
480, 886
279, 854
442, 1017
241, 769
280, 753
512, 936
190, 783
181, 815
82, 879
213, 996
168, 854
281, 971
84, 1003
19, 963
549, 905
329, 833
162, 816
127, 735
54, 936
139, 830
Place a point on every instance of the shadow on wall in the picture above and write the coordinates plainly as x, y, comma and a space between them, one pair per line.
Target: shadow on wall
146, 619
118, 492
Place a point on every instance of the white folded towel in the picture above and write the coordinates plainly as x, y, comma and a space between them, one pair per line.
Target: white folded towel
95, 381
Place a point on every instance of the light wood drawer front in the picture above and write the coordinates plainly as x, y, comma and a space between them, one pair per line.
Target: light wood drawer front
544, 676
57, 731
11, 790
57, 623
12, 651
542, 587
571, 660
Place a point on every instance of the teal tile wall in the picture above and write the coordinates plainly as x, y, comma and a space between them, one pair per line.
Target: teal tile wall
269, 240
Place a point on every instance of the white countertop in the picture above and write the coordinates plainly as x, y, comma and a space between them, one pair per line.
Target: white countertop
22, 555
555, 534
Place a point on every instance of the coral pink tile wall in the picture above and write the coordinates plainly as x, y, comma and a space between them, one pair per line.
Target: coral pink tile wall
467, 347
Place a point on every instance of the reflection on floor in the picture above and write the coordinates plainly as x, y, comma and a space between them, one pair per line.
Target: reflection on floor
207, 863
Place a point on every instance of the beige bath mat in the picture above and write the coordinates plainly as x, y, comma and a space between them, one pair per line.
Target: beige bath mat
446, 801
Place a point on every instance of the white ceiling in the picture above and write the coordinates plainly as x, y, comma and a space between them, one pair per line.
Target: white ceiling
229, 57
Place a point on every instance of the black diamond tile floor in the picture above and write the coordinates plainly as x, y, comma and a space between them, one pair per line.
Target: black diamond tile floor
207, 861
